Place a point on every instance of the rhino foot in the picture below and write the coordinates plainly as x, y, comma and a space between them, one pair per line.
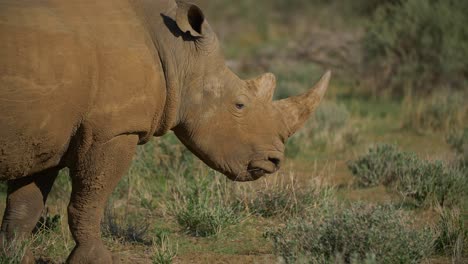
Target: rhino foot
95, 253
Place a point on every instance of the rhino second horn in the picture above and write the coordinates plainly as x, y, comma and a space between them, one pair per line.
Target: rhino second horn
296, 110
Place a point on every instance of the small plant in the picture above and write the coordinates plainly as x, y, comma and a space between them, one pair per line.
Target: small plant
163, 251
202, 208
123, 229
452, 234
358, 234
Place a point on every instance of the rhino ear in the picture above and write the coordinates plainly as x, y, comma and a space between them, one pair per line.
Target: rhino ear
265, 85
190, 18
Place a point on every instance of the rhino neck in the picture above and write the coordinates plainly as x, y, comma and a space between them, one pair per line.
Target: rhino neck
184, 63
154, 16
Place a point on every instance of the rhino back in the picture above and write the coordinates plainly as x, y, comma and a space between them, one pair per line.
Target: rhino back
65, 63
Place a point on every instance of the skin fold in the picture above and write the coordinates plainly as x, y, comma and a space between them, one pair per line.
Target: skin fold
82, 83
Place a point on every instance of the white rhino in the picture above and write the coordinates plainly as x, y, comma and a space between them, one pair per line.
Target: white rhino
82, 83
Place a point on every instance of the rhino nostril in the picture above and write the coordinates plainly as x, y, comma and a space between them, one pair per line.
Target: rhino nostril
275, 161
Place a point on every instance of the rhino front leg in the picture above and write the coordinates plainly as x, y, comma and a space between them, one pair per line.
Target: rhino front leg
94, 177
25, 201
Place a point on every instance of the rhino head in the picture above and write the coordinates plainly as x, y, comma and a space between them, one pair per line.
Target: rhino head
233, 125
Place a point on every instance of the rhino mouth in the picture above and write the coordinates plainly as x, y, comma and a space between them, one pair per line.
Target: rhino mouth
259, 168
255, 170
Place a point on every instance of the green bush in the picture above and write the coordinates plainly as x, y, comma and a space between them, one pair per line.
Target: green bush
358, 234
419, 181
418, 44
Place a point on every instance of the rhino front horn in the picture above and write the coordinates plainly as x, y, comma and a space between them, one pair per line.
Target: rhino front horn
297, 109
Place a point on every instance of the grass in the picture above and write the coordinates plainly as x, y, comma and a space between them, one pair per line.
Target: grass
202, 207
441, 112
170, 208
163, 251
13, 252
452, 235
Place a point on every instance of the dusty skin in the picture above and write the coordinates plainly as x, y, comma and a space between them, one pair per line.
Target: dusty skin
82, 83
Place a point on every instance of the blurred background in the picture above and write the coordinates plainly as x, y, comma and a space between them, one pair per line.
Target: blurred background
378, 175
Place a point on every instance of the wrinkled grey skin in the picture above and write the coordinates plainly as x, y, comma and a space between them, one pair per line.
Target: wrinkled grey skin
82, 83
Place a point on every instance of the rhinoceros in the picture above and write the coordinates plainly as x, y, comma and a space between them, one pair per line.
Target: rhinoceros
82, 83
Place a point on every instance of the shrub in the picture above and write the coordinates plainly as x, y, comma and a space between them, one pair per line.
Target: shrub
381, 165
420, 181
202, 208
358, 234
433, 183
419, 44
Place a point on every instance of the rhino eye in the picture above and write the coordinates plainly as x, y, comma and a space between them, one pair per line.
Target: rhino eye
240, 106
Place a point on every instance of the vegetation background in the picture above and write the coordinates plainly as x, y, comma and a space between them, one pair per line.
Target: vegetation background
377, 176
